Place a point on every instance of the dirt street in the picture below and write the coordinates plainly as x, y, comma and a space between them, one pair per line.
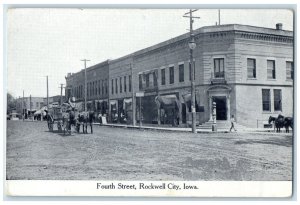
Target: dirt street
126, 154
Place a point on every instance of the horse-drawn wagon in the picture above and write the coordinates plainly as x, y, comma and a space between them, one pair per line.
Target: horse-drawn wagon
59, 115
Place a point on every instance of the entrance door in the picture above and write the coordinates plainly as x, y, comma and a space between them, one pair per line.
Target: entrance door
221, 107
183, 112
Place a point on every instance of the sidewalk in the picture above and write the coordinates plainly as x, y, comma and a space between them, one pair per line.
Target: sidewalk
184, 129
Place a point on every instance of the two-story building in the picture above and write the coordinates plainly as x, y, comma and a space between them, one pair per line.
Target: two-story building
246, 70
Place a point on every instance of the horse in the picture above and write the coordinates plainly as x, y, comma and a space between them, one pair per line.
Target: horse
278, 122
85, 119
288, 122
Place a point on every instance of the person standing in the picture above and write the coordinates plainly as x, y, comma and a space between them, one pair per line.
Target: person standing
232, 123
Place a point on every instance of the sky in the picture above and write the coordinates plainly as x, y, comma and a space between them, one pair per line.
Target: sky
52, 42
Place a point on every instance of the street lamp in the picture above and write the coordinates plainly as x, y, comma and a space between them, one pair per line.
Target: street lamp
192, 43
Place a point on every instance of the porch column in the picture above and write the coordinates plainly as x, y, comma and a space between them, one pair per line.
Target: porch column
180, 114
210, 108
158, 113
228, 106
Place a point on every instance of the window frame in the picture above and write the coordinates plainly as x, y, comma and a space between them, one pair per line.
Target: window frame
269, 100
253, 69
221, 74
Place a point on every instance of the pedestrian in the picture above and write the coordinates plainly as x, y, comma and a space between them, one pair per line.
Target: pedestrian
232, 123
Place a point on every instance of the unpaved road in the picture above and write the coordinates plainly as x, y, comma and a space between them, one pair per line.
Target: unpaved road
125, 154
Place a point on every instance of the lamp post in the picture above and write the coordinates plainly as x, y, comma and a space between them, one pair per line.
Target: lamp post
192, 46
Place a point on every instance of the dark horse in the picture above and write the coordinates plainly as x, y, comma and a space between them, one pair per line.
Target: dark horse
288, 122
85, 119
278, 122
281, 122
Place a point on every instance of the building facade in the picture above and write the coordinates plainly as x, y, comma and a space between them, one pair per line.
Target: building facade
97, 87
247, 71
30, 105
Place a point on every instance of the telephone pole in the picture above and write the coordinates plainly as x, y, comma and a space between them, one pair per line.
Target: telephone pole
47, 94
219, 11
192, 46
23, 106
85, 84
61, 91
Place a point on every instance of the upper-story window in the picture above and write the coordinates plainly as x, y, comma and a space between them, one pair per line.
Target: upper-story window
147, 76
125, 86
112, 86
106, 86
271, 74
130, 79
116, 85
289, 70
171, 74
155, 73
99, 87
163, 76
121, 90
219, 68
140, 81
251, 68
181, 72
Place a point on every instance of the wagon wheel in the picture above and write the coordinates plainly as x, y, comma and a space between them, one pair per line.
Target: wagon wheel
50, 126
59, 126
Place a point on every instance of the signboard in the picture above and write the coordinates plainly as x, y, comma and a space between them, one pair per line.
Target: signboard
139, 94
103, 119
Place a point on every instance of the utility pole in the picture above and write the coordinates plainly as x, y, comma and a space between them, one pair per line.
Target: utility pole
192, 46
61, 91
219, 16
30, 106
47, 94
23, 106
133, 97
85, 84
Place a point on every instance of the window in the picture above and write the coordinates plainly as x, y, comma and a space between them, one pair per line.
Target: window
163, 76
251, 68
171, 72
289, 70
181, 73
112, 86
125, 87
99, 87
116, 85
219, 68
106, 86
96, 88
121, 85
130, 83
140, 81
271, 69
155, 78
190, 71
102, 82
277, 100
147, 80
266, 103
37, 105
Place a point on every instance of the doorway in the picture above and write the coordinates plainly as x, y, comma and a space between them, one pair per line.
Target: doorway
221, 107
183, 112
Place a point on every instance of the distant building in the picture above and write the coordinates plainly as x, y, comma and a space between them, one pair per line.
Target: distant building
30, 105
54, 99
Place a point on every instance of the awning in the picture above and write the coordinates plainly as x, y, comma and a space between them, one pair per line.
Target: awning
112, 102
167, 100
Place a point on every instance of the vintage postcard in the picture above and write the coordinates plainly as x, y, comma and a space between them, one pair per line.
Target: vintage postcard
150, 102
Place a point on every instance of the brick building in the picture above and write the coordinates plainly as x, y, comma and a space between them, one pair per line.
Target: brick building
97, 87
246, 70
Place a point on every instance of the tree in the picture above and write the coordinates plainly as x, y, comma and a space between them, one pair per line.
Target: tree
11, 103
